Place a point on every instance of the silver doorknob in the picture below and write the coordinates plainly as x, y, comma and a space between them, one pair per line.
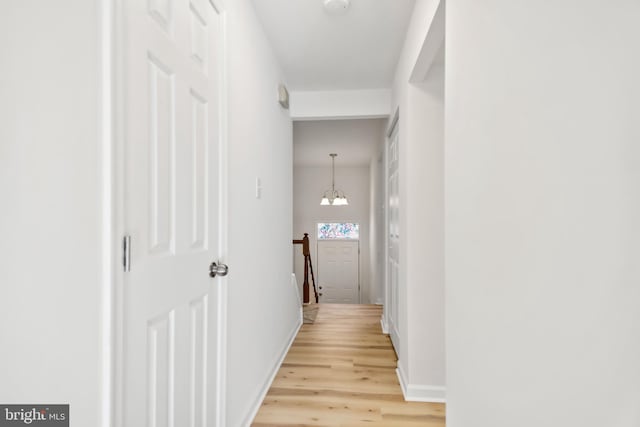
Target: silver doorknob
218, 270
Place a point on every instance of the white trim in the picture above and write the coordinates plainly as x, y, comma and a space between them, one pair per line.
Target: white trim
294, 283
393, 121
419, 392
221, 356
118, 200
107, 196
383, 325
393, 127
385, 233
257, 403
339, 104
223, 215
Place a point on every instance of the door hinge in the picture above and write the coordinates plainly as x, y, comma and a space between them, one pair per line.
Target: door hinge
126, 253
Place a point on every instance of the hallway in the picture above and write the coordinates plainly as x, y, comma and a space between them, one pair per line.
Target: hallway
340, 371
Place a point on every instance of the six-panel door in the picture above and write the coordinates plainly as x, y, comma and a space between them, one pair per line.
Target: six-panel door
172, 127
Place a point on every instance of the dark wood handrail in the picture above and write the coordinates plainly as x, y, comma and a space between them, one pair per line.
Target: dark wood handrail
308, 266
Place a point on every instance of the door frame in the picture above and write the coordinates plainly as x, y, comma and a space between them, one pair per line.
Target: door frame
394, 122
112, 69
317, 257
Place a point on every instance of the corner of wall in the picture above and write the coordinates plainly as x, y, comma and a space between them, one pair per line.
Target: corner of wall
420, 392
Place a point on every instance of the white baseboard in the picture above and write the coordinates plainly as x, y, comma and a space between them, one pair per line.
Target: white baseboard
383, 324
294, 282
420, 392
255, 406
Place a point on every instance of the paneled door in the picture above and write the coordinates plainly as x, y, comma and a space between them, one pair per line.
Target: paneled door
393, 237
171, 317
338, 271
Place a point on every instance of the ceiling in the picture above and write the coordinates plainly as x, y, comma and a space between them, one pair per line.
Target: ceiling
355, 141
319, 51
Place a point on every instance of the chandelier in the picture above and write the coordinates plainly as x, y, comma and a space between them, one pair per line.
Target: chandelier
332, 196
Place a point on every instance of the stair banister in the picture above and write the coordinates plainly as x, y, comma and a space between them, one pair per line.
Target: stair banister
308, 267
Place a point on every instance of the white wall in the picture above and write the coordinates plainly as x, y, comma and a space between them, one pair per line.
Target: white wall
51, 214
263, 312
421, 361
425, 216
308, 186
355, 141
542, 209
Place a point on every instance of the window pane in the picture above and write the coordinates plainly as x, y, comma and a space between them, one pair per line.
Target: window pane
338, 230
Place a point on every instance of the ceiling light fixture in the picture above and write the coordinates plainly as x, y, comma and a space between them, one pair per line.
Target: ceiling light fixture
336, 7
332, 196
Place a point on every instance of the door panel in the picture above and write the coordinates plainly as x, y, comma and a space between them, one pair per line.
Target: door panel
338, 271
199, 170
172, 85
162, 161
198, 379
160, 366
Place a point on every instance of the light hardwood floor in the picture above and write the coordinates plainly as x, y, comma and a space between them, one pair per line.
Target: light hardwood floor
340, 371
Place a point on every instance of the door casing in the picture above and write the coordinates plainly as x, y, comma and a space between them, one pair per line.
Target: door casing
389, 321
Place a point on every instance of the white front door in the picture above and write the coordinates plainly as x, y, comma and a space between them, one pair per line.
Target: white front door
393, 237
338, 271
171, 323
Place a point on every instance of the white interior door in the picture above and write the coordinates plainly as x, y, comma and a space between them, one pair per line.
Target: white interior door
172, 106
393, 237
338, 271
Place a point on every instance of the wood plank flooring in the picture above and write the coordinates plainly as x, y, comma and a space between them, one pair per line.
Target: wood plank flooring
340, 371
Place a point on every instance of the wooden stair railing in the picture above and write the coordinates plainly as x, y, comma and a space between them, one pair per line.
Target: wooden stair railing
308, 267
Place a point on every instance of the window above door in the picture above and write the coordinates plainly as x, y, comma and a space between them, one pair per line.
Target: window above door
338, 231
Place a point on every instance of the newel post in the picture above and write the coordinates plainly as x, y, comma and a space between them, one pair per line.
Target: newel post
305, 284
